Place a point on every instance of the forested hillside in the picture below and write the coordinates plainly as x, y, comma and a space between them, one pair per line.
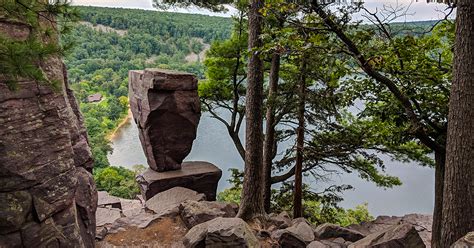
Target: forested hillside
105, 44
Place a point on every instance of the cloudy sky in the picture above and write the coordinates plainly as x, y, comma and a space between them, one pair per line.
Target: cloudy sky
418, 10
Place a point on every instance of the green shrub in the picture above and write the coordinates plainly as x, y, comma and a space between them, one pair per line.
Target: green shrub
118, 181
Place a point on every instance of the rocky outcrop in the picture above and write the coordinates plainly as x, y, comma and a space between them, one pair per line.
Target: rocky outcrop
211, 224
166, 108
47, 195
201, 177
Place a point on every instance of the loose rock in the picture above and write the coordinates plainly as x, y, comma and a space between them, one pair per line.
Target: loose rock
167, 202
397, 236
221, 232
327, 231
107, 216
194, 212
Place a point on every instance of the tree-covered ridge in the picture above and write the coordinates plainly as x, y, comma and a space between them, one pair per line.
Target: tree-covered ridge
157, 23
152, 38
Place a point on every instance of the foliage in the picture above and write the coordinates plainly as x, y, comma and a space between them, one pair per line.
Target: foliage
318, 208
20, 58
118, 181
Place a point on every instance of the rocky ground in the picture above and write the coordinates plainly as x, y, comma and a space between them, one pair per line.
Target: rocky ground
180, 217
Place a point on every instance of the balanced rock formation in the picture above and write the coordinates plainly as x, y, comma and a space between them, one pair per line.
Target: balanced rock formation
166, 108
47, 196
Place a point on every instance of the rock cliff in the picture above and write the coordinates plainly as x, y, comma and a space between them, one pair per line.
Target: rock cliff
47, 195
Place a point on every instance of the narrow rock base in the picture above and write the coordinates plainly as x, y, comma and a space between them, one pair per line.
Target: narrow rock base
199, 176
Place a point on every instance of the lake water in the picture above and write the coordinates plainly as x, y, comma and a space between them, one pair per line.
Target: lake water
213, 144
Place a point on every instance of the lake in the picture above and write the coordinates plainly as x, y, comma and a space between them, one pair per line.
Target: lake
213, 144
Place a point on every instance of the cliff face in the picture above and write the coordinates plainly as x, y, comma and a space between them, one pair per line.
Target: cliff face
47, 193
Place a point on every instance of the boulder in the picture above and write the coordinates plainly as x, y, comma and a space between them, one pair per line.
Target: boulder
466, 241
421, 222
286, 238
166, 107
327, 231
166, 203
280, 221
302, 228
401, 236
194, 212
221, 232
299, 234
201, 177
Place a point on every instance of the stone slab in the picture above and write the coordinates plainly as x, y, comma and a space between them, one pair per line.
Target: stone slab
199, 176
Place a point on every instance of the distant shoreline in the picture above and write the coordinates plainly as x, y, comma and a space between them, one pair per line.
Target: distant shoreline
125, 120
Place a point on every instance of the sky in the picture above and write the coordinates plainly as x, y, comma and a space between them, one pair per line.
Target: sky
418, 10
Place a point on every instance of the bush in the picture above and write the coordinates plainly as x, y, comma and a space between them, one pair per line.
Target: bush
118, 181
317, 208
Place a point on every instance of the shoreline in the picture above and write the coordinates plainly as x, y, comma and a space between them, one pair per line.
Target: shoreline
125, 120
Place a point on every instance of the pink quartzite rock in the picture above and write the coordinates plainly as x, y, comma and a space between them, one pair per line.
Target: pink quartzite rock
48, 197
201, 177
166, 108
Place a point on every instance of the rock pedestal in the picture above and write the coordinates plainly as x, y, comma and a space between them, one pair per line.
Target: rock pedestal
201, 177
165, 105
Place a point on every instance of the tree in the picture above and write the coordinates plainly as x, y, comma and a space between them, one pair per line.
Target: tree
458, 202
252, 191
424, 113
223, 89
300, 130
408, 121
269, 147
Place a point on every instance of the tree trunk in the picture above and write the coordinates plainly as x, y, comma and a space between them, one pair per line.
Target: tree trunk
440, 159
298, 193
268, 146
458, 202
251, 204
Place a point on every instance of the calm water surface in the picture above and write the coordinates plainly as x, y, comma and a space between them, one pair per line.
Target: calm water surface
213, 144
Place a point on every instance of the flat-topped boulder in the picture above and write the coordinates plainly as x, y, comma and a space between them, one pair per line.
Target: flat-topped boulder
199, 176
165, 105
